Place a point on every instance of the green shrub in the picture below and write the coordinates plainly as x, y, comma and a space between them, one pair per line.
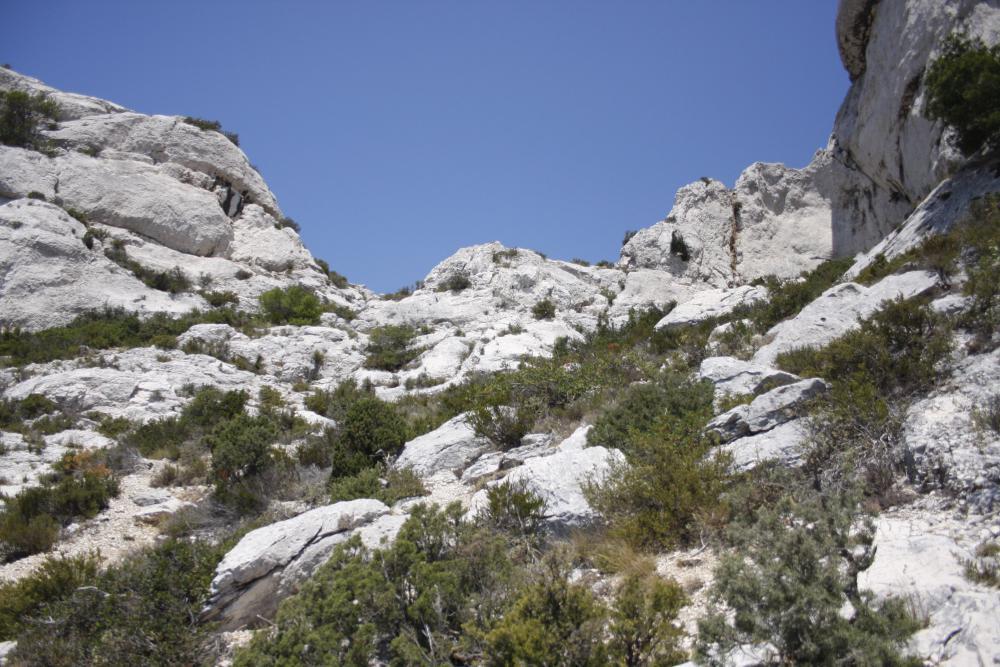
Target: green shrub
512, 507
628, 236
980, 237
544, 310
388, 485
984, 566
581, 262
56, 578
502, 256
34, 194
679, 247
371, 431
423, 600
791, 575
241, 448
553, 622
963, 87
643, 405
389, 347
21, 114
504, 425
14, 413
456, 282
335, 404
294, 305
987, 416
212, 126
220, 299
642, 622
899, 350
290, 224
174, 281
142, 611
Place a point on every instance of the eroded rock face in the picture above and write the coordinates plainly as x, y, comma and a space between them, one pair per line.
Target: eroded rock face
452, 446
732, 376
267, 565
771, 409
50, 276
881, 132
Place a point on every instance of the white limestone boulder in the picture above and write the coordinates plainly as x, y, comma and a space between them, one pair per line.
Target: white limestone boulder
711, 303
839, 310
771, 409
452, 446
269, 563
782, 444
734, 377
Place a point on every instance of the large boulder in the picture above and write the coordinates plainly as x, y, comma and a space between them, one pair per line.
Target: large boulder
711, 303
452, 446
732, 376
782, 444
780, 405
838, 310
269, 563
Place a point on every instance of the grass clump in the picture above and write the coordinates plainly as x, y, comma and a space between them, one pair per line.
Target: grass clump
390, 347
293, 305
984, 566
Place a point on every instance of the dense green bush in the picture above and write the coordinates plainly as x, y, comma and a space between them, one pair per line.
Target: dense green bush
390, 347
143, 611
963, 90
294, 305
21, 114
241, 448
456, 282
371, 431
793, 572
336, 402
544, 310
56, 578
14, 413
512, 507
641, 406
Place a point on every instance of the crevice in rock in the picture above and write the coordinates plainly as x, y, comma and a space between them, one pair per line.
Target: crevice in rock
734, 235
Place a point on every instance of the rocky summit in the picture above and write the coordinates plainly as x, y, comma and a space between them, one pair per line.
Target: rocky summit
769, 433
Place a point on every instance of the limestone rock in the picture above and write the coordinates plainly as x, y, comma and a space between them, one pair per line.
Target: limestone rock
919, 557
452, 446
839, 310
732, 376
50, 276
767, 411
268, 563
782, 444
558, 479
711, 303
71, 105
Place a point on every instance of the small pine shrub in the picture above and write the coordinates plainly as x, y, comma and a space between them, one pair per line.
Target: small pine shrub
21, 115
220, 299
513, 508
504, 425
241, 448
963, 86
390, 347
544, 310
294, 305
628, 236
456, 282
371, 431
679, 247
504, 256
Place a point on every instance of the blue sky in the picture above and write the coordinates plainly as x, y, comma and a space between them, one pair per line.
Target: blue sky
395, 132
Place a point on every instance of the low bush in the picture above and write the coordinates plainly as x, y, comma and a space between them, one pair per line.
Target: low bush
293, 305
56, 578
142, 611
544, 310
984, 566
371, 431
21, 115
212, 126
241, 448
513, 508
389, 485
987, 416
504, 425
390, 347
963, 90
220, 299
792, 573
456, 282
335, 403
174, 281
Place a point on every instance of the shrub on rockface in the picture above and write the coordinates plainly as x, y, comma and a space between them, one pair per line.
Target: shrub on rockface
371, 431
241, 448
390, 347
792, 574
21, 114
963, 86
293, 305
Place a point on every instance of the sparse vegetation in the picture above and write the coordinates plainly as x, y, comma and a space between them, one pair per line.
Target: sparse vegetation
456, 282
212, 126
544, 310
174, 281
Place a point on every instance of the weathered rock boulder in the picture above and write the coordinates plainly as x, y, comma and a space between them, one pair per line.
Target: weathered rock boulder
782, 444
780, 405
839, 310
732, 376
711, 303
452, 446
269, 563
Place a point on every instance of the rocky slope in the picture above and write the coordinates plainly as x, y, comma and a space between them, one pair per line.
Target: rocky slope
168, 195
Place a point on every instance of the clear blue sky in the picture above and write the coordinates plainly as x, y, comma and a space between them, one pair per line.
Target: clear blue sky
395, 132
